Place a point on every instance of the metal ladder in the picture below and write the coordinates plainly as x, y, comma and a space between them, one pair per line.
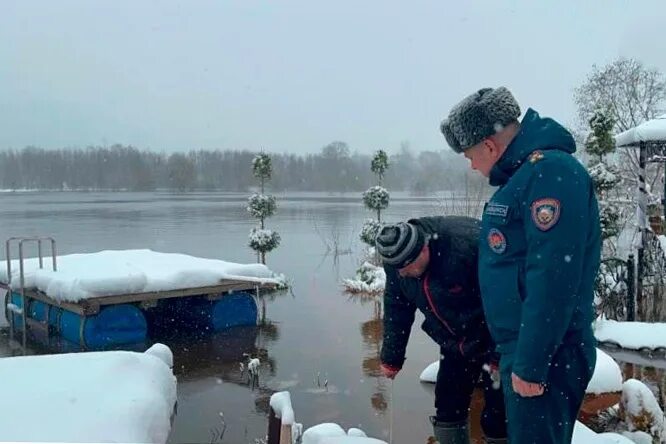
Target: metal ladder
23, 310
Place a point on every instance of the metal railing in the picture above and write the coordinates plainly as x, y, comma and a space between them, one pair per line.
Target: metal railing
9, 305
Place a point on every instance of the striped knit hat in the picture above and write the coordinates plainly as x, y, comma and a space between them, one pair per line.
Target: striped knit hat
399, 244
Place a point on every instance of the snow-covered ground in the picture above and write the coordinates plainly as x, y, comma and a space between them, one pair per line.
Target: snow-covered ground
110, 272
607, 375
112, 396
631, 335
583, 435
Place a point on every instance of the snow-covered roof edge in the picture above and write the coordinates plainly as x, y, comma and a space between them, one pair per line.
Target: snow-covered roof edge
651, 131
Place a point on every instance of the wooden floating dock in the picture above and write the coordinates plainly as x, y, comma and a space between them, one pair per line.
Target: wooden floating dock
109, 313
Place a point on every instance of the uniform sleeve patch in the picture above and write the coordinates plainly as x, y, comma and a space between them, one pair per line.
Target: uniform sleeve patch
545, 213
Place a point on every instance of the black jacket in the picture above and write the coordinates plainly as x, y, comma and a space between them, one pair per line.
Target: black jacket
447, 294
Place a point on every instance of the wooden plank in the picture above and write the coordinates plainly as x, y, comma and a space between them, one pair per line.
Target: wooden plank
227, 286
82, 308
92, 306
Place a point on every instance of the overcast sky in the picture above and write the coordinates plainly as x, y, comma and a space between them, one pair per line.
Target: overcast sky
295, 75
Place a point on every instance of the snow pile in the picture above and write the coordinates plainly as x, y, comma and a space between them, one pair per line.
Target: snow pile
113, 396
369, 279
640, 409
583, 435
430, 373
638, 437
82, 276
607, 377
281, 405
631, 335
329, 433
162, 352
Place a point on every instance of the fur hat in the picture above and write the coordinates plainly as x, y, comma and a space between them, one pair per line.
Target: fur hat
399, 244
478, 117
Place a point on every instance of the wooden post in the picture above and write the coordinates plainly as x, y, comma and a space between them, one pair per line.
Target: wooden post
278, 433
285, 434
642, 225
274, 424
631, 280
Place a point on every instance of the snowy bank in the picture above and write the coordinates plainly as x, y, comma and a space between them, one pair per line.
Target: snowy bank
607, 377
631, 335
113, 396
113, 272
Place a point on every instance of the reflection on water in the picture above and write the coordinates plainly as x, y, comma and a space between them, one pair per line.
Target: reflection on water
371, 336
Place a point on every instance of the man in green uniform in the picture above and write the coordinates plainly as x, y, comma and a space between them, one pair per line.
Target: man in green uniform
539, 253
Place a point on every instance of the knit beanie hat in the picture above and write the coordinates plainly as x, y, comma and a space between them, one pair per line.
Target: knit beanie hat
400, 244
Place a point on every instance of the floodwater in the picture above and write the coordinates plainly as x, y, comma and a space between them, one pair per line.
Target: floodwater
315, 341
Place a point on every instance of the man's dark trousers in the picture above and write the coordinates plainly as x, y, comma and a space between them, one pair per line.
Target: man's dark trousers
456, 380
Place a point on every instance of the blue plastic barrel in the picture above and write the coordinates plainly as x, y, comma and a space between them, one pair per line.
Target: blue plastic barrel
199, 315
113, 325
233, 310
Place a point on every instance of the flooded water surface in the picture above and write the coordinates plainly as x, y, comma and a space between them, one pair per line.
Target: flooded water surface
315, 341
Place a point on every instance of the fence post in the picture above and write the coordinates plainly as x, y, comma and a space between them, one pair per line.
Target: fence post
274, 424
631, 279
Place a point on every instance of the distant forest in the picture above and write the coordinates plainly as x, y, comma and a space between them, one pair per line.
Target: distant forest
118, 168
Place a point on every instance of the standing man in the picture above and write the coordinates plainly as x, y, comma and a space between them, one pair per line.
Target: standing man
431, 264
539, 253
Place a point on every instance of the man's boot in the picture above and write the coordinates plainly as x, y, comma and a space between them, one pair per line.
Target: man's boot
497, 440
450, 432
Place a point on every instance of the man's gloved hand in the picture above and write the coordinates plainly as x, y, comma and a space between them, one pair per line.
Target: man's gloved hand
388, 370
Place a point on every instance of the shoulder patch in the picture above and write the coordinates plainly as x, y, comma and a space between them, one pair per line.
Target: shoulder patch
536, 156
545, 213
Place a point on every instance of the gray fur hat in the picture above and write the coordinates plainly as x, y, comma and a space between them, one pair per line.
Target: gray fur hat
478, 117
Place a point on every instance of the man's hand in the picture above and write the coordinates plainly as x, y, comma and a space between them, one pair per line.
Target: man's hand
524, 388
493, 371
389, 371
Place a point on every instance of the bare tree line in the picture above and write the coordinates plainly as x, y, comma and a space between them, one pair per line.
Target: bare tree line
127, 168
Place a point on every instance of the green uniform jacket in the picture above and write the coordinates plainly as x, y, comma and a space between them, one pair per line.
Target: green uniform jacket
539, 249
